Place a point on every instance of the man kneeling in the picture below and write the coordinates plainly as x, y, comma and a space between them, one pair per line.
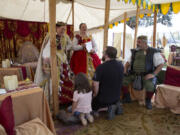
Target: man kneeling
107, 82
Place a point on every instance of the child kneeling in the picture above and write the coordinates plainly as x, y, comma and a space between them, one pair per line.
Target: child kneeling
82, 98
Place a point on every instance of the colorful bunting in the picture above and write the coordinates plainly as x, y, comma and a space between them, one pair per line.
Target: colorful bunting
176, 7
165, 8
146, 4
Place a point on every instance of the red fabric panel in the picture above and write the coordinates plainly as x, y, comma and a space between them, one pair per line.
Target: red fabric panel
172, 77
7, 116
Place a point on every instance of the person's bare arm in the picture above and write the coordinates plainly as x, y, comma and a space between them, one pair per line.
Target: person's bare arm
126, 66
158, 69
74, 105
95, 88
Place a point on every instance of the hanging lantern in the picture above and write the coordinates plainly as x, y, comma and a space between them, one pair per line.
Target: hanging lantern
148, 14
141, 16
116, 23
176, 7
165, 8
110, 26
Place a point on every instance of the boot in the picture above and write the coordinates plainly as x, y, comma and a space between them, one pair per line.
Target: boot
111, 112
148, 103
119, 108
126, 98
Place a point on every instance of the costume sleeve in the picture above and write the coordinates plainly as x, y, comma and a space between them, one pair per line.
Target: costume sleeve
46, 50
157, 59
76, 46
94, 45
75, 96
69, 44
128, 59
97, 74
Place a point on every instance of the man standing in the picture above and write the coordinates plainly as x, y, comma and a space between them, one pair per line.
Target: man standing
145, 62
107, 83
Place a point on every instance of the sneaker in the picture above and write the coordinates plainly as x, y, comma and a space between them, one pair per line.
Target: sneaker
90, 118
119, 108
111, 112
83, 120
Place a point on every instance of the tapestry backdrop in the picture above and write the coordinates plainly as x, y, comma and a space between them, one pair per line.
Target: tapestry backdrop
13, 33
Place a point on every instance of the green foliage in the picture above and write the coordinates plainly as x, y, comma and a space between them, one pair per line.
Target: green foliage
149, 20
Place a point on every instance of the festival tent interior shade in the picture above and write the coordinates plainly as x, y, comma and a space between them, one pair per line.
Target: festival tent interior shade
89, 11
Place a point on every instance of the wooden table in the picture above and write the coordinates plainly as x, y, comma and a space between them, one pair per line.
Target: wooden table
29, 104
21, 72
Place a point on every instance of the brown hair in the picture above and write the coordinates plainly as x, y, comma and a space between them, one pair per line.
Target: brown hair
143, 38
81, 25
82, 83
111, 52
59, 24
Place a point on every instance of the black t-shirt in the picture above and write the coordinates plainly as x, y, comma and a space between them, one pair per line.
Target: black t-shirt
110, 76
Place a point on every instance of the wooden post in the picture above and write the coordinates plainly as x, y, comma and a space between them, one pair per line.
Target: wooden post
154, 29
106, 23
73, 14
52, 26
124, 34
136, 28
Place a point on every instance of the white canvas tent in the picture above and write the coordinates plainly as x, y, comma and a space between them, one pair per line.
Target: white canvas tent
88, 11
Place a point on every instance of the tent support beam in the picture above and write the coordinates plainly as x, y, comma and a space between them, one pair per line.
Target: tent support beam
52, 26
136, 28
73, 14
124, 34
106, 23
154, 29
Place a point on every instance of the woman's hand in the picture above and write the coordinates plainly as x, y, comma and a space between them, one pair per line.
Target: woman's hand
92, 51
83, 45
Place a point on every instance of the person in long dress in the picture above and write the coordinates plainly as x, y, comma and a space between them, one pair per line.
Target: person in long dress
43, 77
82, 60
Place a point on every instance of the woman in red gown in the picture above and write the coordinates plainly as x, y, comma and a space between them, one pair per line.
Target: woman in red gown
83, 60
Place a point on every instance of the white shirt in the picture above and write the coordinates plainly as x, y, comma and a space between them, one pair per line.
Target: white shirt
77, 47
157, 59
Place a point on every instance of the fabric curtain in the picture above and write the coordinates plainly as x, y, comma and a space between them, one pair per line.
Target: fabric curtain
13, 33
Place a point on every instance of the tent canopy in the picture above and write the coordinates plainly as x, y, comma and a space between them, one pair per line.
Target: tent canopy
88, 11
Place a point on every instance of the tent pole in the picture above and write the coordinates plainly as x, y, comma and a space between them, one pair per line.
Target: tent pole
73, 14
136, 28
124, 34
106, 23
154, 29
52, 26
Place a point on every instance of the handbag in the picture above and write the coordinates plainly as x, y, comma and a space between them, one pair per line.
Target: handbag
138, 83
